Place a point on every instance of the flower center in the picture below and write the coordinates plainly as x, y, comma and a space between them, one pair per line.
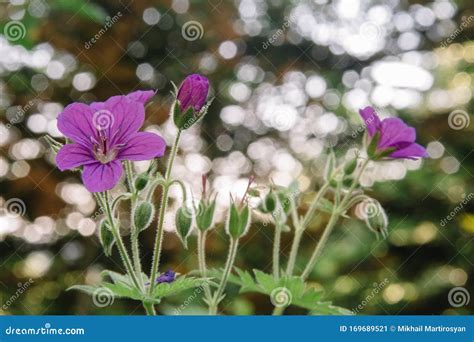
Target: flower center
103, 151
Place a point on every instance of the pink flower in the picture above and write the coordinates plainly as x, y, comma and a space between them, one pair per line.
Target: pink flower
103, 135
395, 138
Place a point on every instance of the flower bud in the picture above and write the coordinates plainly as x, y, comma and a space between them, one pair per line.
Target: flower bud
330, 166
374, 216
205, 215
142, 216
238, 221
184, 220
54, 144
269, 203
190, 106
106, 237
350, 166
193, 92
141, 181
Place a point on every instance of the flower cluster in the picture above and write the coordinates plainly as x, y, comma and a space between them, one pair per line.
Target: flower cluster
104, 138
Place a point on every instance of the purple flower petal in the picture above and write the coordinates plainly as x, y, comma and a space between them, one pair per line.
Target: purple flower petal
75, 122
73, 155
411, 151
141, 96
166, 277
193, 92
121, 118
99, 177
371, 119
395, 131
185, 95
143, 146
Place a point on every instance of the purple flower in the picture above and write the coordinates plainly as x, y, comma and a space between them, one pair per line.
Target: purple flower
395, 138
193, 92
166, 277
103, 134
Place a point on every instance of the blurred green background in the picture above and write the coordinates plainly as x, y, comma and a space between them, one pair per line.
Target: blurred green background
288, 77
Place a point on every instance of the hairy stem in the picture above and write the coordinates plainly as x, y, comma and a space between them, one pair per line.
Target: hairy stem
234, 244
301, 227
278, 310
161, 217
118, 239
295, 245
337, 211
276, 250
149, 309
201, 247
320, 245
134, 237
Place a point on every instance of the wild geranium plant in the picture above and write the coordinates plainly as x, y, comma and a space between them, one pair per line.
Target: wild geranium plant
103, 139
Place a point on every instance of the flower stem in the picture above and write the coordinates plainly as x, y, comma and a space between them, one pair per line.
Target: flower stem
294, 251
300, 228
234, 244
337, 211
278, 310
121, 247
134, 237
320, 245
161, 217
276, 250
150, 310
201, 247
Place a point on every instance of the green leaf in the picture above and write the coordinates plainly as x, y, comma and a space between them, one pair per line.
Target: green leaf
117, 277
326, 308
88, 289
325, 205
299, 293
265, 281
84, 9
179, 285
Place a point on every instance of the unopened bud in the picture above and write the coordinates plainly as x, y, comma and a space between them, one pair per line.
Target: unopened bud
184, 221
238, 221
205, 215
106, 237
143, 216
